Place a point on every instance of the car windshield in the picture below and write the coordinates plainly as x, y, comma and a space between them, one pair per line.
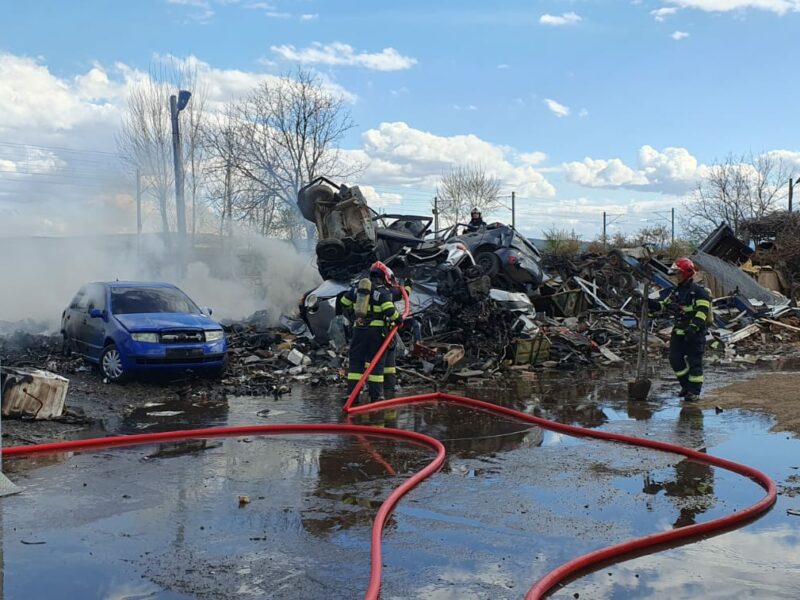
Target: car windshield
131, 301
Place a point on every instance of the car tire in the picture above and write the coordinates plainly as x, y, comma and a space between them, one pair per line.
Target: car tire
331, 250
111, 364
489, 263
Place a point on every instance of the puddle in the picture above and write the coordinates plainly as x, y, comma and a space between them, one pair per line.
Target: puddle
512, 502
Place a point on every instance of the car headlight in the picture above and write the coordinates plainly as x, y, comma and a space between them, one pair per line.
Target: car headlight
214, 335
151, 338
312, 303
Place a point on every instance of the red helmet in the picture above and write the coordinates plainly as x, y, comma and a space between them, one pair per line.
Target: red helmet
683, 266
381, 271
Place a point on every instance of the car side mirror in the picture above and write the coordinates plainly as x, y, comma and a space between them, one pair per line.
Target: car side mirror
96, 313
209, 312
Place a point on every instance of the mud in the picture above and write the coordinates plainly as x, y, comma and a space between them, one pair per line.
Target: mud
774, 394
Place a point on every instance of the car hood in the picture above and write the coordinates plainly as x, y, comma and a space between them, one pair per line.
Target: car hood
160, 321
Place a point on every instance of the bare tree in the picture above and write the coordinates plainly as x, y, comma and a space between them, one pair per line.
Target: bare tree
289, 133
735, 190
192, 140
145, 140
465, 187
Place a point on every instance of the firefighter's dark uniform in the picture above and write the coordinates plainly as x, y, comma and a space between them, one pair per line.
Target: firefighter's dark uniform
690, 304
368, 335
390, 362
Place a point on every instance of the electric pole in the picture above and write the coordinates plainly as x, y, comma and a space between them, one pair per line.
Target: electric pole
513, 210
791, 192
436, 215
605, 239
673, 224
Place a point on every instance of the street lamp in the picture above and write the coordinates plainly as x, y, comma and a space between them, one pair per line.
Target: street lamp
176, 105
791, 190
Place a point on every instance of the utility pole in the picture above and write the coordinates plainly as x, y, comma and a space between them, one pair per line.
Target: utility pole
138, 202
791, 192
513, 210
436, 215
605, 239
177, 160
673, 224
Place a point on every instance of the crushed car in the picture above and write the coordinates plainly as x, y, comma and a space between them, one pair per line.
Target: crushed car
454, 274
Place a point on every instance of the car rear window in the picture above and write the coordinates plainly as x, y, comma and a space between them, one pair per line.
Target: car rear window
131, 301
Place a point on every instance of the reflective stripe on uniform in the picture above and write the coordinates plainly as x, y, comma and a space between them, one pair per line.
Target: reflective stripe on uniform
351, 376
678, 332
695, 378
386, 306
700, 315
389, 370
375, 378
377, 323
682, 372
346, 301
702, 303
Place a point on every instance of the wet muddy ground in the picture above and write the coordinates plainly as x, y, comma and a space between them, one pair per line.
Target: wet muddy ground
511, 503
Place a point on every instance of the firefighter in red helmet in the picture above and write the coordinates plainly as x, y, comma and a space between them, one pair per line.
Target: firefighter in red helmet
369, 307
690, 305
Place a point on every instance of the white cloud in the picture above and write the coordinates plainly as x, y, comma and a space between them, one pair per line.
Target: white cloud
533, 158
679, 35
309, 17
671, 171
503, 66
556, 108
569, 18
583, 113
377, 199
202, 8
661, 14
399, 155
338, 53
780, 7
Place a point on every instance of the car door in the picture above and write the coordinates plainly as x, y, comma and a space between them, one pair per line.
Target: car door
73, 320
93, 329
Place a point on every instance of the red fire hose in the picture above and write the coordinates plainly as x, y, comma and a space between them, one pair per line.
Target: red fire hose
618, 551
374, 586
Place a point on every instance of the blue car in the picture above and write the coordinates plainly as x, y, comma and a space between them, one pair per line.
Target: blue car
130, 327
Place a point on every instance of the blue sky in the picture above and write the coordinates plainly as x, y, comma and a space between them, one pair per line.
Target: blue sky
580, 106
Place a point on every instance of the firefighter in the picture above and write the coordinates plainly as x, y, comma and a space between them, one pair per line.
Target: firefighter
690, 306
369, 307
475, 222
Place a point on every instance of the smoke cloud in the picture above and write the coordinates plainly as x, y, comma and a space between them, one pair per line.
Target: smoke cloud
233, 276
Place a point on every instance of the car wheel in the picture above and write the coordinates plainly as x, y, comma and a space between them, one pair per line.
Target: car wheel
489, 263
111, 364
331, 250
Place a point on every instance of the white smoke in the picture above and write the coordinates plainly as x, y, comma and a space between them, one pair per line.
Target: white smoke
233, 276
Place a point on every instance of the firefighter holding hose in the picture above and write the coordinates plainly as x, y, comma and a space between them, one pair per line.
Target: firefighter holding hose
370, 308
